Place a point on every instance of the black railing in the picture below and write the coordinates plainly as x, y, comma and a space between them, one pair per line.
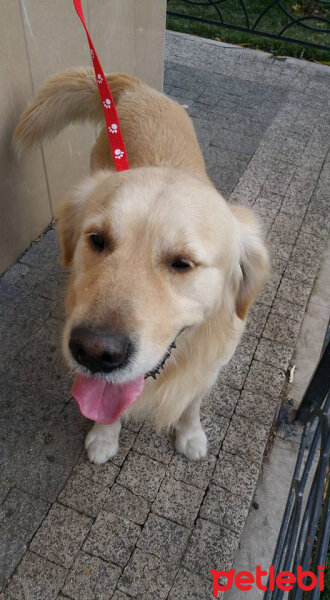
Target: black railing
314, 20
319, 385
304, 535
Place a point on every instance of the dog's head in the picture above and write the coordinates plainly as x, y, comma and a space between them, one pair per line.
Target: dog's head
152, 251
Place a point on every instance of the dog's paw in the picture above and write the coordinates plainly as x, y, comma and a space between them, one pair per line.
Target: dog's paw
100, 448
191, 443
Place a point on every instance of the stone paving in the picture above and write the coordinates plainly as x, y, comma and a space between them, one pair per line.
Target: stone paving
150, 524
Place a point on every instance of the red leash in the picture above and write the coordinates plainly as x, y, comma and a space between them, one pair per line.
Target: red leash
116, 139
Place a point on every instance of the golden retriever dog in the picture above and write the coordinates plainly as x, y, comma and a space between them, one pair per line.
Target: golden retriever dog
163, 270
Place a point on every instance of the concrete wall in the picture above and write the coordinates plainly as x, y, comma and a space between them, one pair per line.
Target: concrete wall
42, 37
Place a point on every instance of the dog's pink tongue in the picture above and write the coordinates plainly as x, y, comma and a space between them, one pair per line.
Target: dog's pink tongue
102, 401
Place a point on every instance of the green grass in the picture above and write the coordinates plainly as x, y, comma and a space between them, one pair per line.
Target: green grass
273, 22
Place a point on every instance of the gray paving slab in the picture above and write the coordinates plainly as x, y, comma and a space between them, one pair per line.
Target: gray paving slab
261, 408
112, 538
18, 326
210, 547
126, 504
257, 318
246, 438
220, 402
281, 329
83, 495
147, 577
12, 549
142, 475
236, 473
150, 443
178, 501
264, 378
21, 514
150, 523
164, 538
120, 596
4, 491
40, 466
16, 284
90, 578
197, 473
288, 309
275, 353
225, 508
105, 475
36, 579
61, 535
189, 586
126, 441
235, 372
290, 288
215, 430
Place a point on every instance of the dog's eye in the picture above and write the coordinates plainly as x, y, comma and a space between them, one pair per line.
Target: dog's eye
97, 241
180, 264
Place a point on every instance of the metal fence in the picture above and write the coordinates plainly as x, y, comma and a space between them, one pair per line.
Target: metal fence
304, 535
314, 20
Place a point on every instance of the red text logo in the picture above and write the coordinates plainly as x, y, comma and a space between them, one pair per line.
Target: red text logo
285, 580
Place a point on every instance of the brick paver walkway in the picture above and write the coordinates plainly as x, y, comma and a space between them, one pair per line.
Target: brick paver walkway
150, 525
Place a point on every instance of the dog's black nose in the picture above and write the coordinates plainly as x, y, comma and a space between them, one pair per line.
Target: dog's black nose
101, 351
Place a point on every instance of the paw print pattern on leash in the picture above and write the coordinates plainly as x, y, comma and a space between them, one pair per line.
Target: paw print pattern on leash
119, 154
114, 134
113, 128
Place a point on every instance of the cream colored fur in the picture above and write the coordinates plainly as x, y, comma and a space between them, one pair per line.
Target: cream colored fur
163, 207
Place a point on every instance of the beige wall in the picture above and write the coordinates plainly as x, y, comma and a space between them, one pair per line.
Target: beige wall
42, 37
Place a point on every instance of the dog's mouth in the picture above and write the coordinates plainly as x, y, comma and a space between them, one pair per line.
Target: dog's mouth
103, 401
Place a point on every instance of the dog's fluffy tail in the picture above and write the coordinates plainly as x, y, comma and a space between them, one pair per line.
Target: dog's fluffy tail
66, 98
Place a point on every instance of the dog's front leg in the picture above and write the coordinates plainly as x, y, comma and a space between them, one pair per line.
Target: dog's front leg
101, 442
190, 438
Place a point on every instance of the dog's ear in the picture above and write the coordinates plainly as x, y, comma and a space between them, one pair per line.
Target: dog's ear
253, 261
69, 219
